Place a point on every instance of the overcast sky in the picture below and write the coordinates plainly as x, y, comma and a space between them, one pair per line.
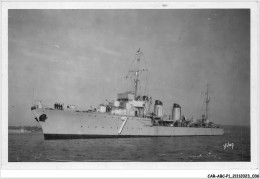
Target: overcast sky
81, 57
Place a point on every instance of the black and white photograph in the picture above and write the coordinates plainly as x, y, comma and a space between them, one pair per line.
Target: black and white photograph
145, 85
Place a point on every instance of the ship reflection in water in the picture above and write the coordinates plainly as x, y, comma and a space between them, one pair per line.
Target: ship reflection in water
30, 147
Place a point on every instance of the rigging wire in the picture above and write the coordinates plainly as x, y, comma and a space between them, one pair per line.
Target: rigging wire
137, 65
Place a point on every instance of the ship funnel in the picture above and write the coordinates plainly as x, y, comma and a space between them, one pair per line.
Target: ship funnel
158, 108
176, 112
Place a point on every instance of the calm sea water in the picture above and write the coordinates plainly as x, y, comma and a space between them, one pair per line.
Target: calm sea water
31, 147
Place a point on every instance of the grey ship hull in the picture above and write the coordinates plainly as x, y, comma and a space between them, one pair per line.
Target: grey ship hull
62, 124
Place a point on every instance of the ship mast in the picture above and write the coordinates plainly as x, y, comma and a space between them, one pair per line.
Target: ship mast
137, 71
136, 80
207, 100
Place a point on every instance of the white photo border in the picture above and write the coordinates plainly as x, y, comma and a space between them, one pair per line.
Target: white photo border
147, 169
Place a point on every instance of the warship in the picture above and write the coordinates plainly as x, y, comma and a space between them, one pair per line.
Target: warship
129, 115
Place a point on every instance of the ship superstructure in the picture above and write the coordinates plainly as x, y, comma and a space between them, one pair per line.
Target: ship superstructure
130, 115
